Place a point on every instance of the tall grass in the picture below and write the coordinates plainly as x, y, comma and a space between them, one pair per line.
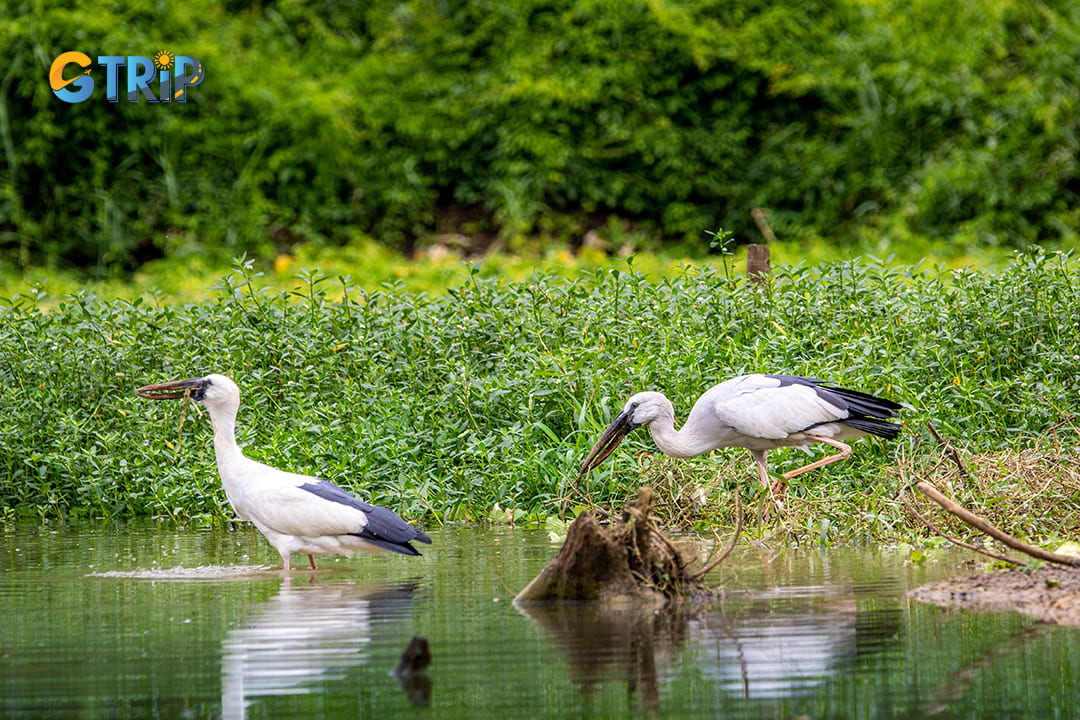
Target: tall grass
441, 406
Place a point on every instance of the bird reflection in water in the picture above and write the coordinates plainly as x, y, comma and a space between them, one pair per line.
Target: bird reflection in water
306, 636
774, 643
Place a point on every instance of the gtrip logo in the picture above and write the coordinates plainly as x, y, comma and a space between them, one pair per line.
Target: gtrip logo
173, 76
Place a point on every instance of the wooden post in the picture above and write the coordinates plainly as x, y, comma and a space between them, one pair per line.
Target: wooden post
757, 262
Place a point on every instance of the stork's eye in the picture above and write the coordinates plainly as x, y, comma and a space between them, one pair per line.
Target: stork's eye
199, 393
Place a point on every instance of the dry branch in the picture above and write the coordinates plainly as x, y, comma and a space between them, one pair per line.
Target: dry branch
970, 518
982, 525
949, 449
910, 506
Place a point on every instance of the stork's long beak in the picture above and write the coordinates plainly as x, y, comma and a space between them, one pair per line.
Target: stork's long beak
172, 390
619, 428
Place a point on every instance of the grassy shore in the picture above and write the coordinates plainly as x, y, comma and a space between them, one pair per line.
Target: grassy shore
455, 406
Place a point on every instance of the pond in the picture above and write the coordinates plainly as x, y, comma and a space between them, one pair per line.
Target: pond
152, 621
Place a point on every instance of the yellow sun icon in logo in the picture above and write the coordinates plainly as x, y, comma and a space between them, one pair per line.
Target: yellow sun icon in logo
163, 60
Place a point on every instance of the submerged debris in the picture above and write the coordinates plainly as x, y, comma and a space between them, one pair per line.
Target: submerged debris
629, 562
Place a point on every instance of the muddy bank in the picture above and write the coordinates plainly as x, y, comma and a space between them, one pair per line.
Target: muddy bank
1051, 594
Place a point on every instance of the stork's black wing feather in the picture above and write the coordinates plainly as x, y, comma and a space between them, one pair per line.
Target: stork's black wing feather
866, 412
384, 527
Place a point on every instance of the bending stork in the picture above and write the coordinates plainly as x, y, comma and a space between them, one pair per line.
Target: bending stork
296, 513
759, 413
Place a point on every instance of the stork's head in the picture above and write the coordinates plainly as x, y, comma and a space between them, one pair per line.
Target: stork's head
641, 409
213, 391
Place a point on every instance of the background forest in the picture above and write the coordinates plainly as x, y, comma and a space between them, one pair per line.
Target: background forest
511, 124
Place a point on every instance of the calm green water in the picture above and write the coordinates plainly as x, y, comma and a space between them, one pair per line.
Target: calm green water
805, 634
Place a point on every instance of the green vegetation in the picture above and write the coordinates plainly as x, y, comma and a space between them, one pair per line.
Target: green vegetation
444, 405
579, 148
519, 122
374, 267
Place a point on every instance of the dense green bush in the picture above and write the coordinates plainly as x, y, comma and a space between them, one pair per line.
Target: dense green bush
542, 117
443, 406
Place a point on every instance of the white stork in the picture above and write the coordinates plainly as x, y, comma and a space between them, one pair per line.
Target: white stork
296, 513
757, 412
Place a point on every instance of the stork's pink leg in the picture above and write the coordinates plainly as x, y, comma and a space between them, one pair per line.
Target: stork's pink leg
779, 487
845, 450
762, 467
763, 473
311, 558
286, 559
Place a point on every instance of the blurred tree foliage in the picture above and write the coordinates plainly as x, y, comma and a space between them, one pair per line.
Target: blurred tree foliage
320, 120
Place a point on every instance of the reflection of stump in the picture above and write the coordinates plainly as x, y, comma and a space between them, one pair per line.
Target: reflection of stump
411, 672
629, 642
631, 561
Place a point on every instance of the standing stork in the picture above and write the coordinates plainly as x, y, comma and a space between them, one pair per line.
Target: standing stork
296, 513
759, 413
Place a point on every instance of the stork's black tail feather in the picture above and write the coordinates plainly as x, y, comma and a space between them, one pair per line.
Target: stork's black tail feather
874, 426
403, 548
865, 403
868, 412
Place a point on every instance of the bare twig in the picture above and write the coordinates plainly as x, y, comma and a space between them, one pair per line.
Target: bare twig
734, 538
1066, 421
905, 486
594, 508
1052, 432
675, 556
948, 448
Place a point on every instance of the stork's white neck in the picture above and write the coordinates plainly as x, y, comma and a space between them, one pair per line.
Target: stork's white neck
227, 452
685, 443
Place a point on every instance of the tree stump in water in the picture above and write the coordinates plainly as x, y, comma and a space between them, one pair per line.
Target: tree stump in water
629, 562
